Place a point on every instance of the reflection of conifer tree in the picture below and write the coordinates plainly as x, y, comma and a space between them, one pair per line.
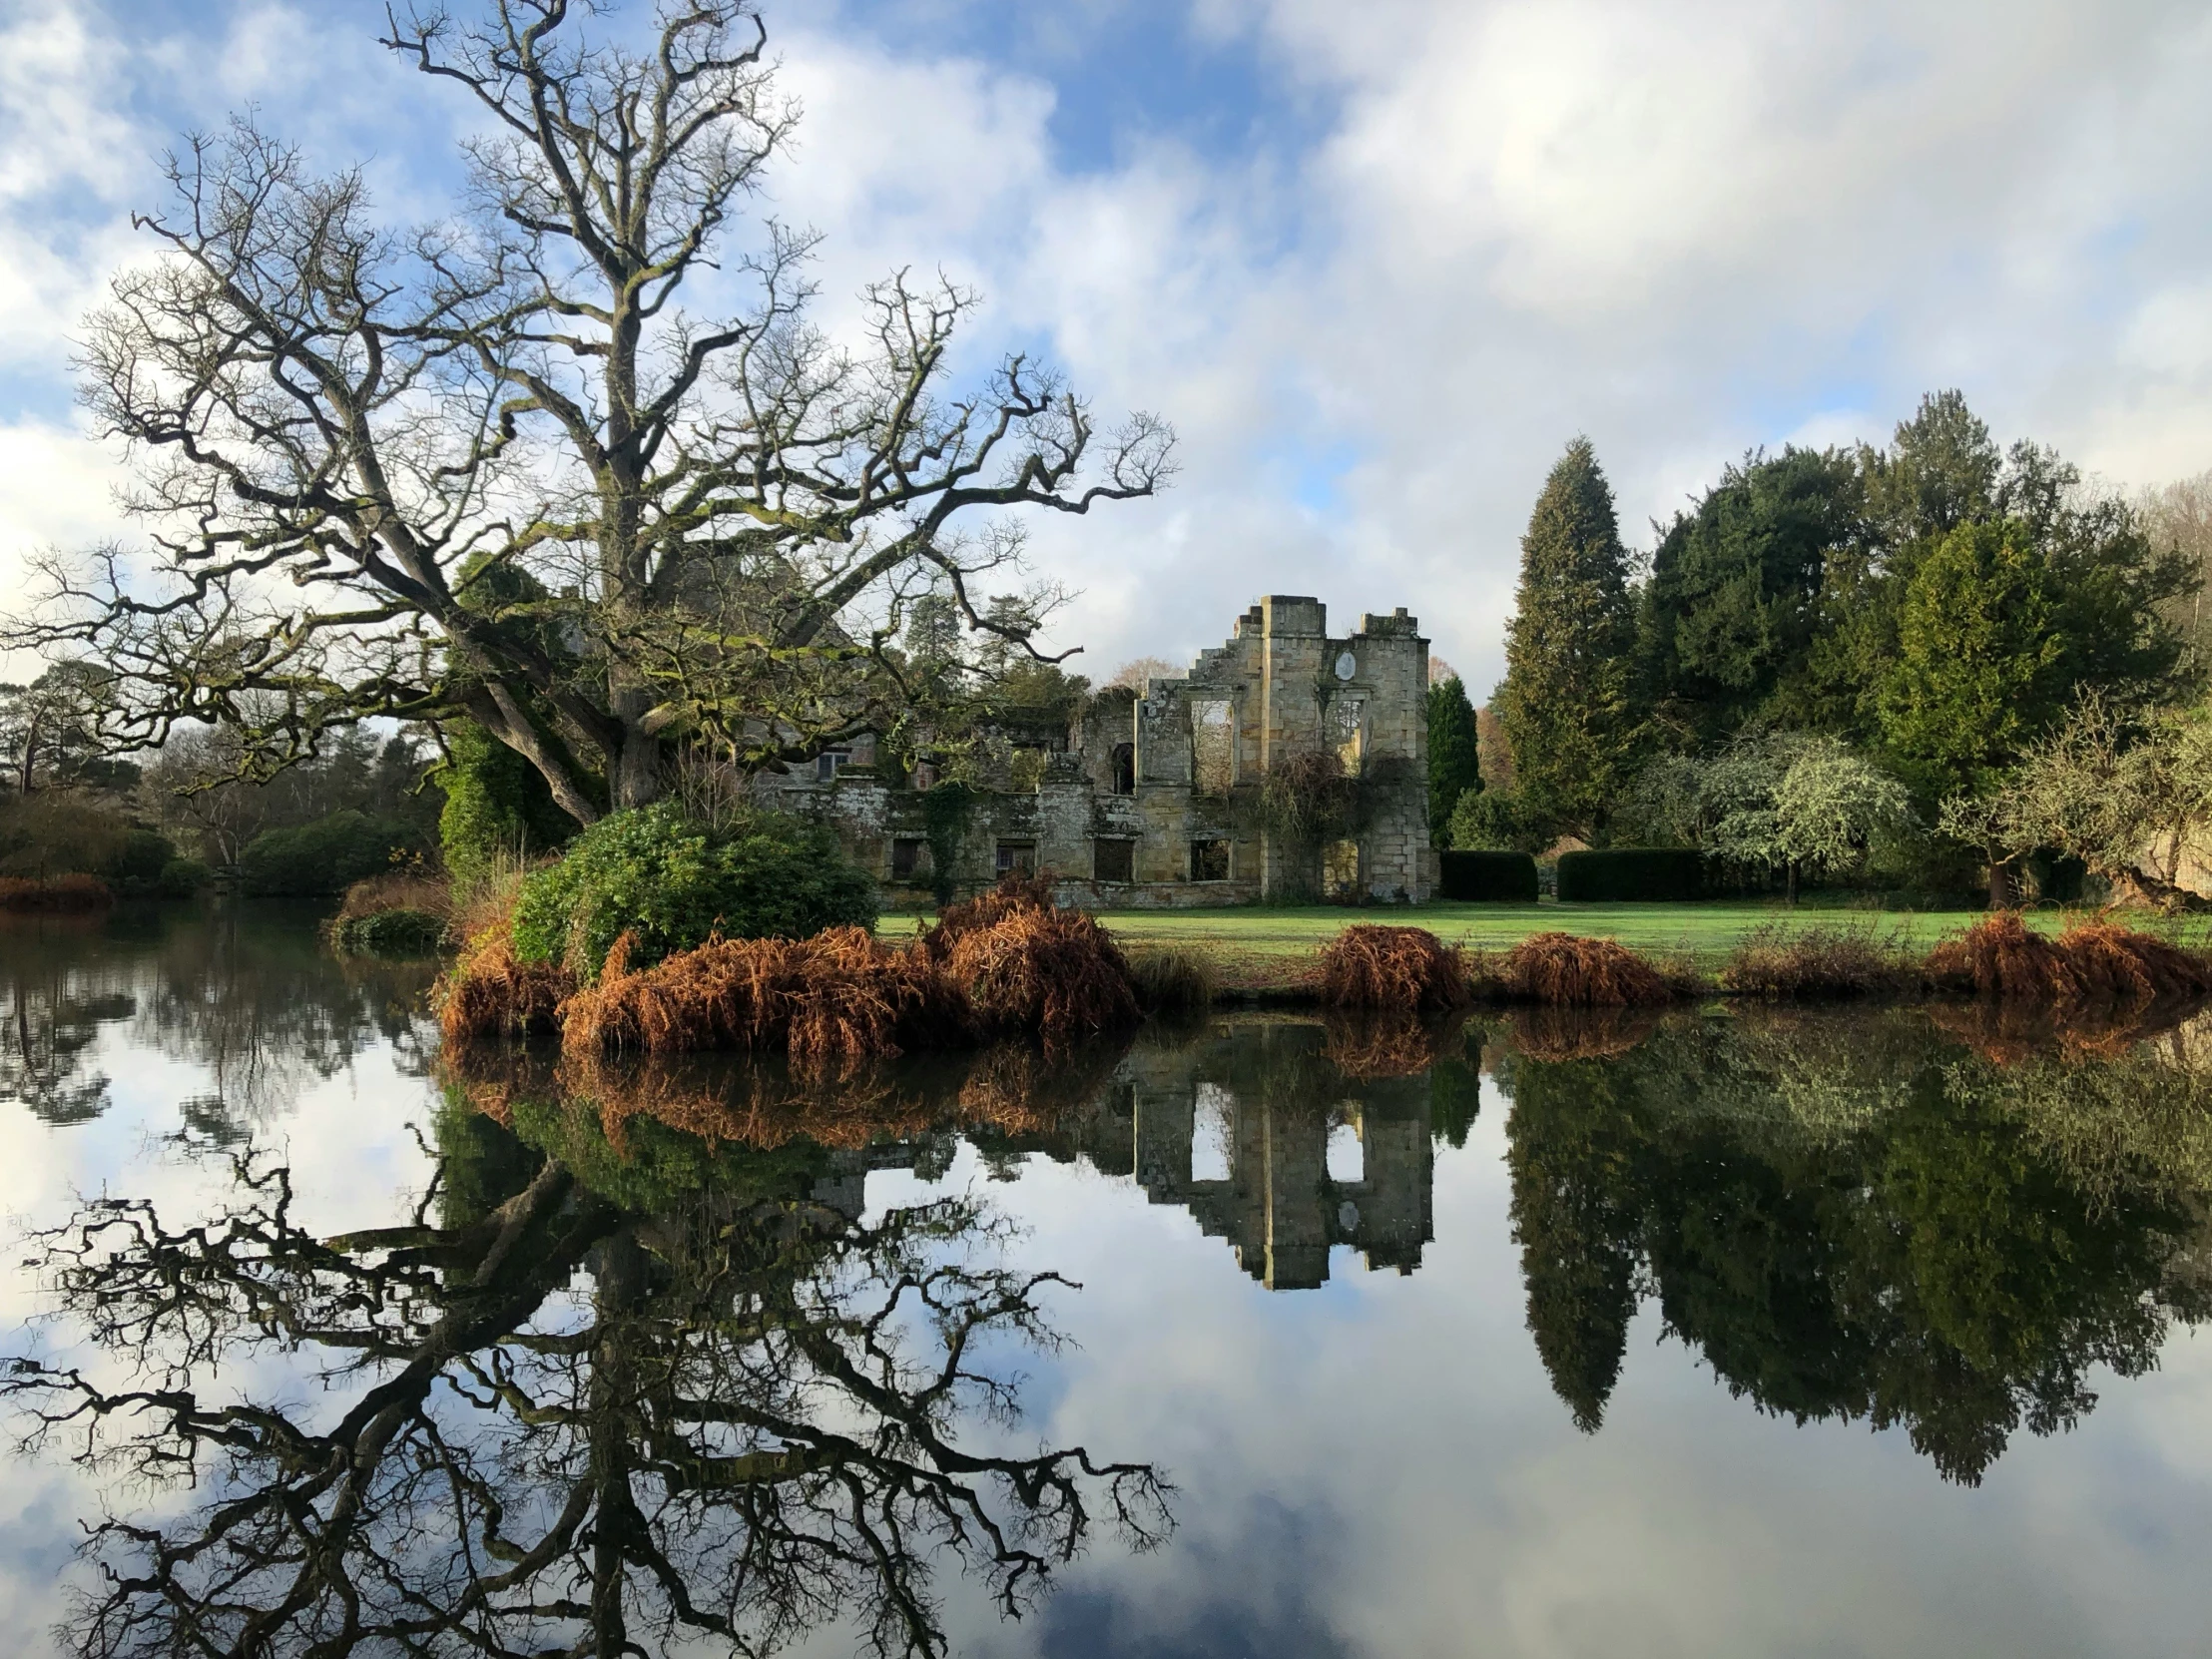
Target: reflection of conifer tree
1454, 1099
1567, 1144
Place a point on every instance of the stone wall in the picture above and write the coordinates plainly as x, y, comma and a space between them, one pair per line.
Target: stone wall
1129, 775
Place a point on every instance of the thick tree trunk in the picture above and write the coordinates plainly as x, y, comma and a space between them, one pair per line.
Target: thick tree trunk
2004, 886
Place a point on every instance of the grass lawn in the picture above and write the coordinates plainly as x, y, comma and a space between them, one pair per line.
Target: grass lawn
1707, 932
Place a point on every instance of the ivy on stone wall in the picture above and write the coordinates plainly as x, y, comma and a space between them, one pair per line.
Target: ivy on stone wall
947, 810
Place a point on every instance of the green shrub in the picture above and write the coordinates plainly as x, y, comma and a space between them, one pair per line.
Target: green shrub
390, 933
1496, 821
672, 883
182, 878
1498, 878
137, 862
1666, 875
496, 804
327, 855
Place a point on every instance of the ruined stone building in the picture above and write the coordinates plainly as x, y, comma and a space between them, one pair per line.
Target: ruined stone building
1160, 798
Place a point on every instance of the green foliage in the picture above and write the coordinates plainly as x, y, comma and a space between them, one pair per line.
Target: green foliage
137, 864
1493, 878
496, 804
1567, 701
327, 855
401, 934
1454, 755
672, 883
1976, 675
1631, 875
1732, 608
182, 878
1496, 821
945, 811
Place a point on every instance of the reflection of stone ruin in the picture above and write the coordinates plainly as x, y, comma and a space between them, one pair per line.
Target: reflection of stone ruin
1255, 1134
1156, 800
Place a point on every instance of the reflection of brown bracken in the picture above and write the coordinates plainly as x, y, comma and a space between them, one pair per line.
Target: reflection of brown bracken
1559, 1033
1566, 971
1399, 969
2010, 1033
761, 1101
72, 894
1021, 1090
1377, 1045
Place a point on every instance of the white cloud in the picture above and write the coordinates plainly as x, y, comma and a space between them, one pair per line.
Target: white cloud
1683, 231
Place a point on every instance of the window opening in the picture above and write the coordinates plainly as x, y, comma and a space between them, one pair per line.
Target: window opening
1114, 861
1017, 856
1210, 1120
1346, 1156
1213, 764
1339, 869
1125, 769
1348, 731
830, 763
1209, 861
905, 859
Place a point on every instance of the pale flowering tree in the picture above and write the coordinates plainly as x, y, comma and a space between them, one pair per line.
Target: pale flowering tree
1798, 801
2124, 796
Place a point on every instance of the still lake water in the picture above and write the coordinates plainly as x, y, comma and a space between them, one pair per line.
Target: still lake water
1731, 1333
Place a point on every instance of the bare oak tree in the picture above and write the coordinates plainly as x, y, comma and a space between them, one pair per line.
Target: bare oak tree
493, 467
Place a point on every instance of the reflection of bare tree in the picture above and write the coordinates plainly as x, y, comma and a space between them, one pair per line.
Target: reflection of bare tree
742, 1429
53, 1016
249, 994
246, 994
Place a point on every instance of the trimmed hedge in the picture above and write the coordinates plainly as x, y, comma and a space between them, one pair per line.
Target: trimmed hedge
1632, 874
1493, 878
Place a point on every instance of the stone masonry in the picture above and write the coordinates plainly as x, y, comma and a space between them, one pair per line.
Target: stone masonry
1148, 798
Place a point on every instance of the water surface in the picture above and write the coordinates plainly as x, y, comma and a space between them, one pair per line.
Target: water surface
1745, 1332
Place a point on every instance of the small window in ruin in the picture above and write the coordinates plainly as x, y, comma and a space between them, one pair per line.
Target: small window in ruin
1339, 869
1026, 770
1348, 731
830, 763
1213, 763
1125, 769
1115, 861
1018, 857
905, 859
1209, 861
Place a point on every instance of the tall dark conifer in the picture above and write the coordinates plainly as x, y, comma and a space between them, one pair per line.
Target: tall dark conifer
1454, 755
1567, 701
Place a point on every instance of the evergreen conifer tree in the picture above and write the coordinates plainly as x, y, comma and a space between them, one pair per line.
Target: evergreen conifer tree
1566, 702
1454, 755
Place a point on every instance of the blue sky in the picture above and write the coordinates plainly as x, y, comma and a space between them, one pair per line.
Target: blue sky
1376, 264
